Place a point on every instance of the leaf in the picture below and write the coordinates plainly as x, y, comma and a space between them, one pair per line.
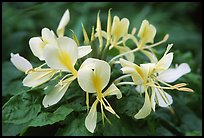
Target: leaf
75, 127
9, 129
9, 72
125, 126
46, 118
21, 108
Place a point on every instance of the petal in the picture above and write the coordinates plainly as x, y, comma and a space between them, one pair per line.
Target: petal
130, 57
20, 62
63, 22
146, 108
48, 36
83, 51
125, 63
55, 95
91, 66
34, 79
163, 98
113, 90
124, 24
173, 74
153, 103
37, 47
85, 79
164, 62
64, 57
140, 88
147, 32
90, 121
147, 70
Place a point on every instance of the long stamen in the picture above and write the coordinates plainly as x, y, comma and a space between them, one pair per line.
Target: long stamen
120, 78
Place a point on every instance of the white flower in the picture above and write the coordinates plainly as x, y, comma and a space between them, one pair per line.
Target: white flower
148, 76
93, 77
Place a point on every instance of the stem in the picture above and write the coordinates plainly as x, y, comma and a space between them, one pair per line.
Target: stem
123, 54
120, 78
124, 83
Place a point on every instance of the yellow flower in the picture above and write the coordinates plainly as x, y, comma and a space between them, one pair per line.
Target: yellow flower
93, 77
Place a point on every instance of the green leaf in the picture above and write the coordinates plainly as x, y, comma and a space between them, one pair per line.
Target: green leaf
21, 108
9, 72
75, 127
9, 129
46, 118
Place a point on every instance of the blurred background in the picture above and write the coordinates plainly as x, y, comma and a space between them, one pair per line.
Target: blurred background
181, 20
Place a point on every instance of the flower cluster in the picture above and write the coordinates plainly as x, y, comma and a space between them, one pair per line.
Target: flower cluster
61, 53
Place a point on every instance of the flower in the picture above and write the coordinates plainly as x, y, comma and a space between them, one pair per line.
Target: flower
63, 57
148, 76
93, 77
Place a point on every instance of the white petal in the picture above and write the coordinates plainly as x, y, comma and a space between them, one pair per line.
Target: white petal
91, 66
34, 79
48, 36
113, 90
90, 121
163, 98
122, 49
64, 57
153, 103
173, 74
20, 62
83, 51
146, 108
63, 22
140, 88
127, 70
37, 47
85, 79
164, 62
55, 95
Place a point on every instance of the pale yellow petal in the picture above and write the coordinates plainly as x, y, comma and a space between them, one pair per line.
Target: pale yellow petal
90, 121
34, 79
147, 32
84, 78
99, 68
37, 47
20, 62
83, 51
55, 95
113, 90
64, 57
63, 23
146, 108
153, 103
164, 62
48, 36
